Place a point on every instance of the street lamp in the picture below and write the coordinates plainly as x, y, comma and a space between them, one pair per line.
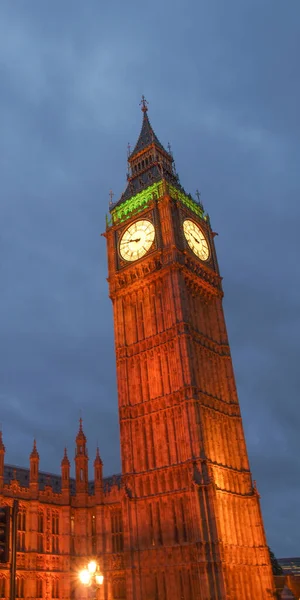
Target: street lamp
91, 577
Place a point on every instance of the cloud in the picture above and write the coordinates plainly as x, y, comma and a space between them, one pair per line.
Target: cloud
223, 87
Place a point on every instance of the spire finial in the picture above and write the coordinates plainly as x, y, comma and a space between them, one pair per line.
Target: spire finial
144, 104
34, 452
65, 460
198, 194
80, 424
111, 195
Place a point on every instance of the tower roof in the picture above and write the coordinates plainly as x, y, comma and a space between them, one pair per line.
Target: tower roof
149, 162
147, 135
34, 452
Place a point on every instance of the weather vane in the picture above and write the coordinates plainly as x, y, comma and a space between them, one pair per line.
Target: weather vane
144, 104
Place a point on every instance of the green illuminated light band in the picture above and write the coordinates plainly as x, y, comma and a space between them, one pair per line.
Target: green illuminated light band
141, 200
136, 203
187, 200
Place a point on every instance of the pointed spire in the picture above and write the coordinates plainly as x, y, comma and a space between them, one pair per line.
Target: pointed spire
98, 480
65, 461
80, 438
34, 453
2, 454
147, 135
65, 472
2, 447
98, 460
34, 465
149, 163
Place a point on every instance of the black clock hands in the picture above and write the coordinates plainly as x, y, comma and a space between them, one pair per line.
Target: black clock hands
129, 241
196, 240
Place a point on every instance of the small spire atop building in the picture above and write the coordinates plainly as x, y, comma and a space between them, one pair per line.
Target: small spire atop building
2, 447
34, 452
81, 461
34, 465
98, 464
65, 472
2, 454
65, 460
98, 458
80, 438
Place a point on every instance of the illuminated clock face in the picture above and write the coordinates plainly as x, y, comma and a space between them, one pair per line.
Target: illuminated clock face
196, 239
137, 240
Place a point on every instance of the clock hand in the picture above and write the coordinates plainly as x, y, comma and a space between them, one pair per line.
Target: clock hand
196, 240
129, 241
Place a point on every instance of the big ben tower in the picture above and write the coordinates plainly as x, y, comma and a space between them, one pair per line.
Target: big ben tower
191, 514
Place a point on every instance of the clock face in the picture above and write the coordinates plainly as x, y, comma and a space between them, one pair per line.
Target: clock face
196, 239
137, 240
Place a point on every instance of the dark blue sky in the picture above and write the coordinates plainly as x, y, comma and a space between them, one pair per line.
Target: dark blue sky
222, 81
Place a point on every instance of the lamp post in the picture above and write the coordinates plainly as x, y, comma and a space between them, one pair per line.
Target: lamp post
92, 578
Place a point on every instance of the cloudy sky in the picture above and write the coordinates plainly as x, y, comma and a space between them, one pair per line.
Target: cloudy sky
222, 81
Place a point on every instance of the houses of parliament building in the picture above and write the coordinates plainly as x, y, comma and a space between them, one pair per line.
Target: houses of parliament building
183, 519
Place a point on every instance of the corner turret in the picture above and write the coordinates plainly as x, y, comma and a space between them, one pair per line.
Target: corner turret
65, 472
98, 475
34, 464
81, 462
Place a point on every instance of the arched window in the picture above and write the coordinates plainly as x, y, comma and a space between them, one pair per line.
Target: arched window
39, 588
40, 534
72, 524
55, 588
117, 530
21, 530
119, 589
55, 532
20, 587
94, 537
2, 587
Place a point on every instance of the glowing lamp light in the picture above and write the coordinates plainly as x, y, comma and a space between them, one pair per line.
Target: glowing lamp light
85, 576
92, 566
99, 579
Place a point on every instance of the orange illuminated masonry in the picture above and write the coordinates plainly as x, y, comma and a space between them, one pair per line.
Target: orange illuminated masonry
192, 525
183, 520
4, 533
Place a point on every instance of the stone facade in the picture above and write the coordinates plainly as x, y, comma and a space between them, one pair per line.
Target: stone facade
183, 521
62, 522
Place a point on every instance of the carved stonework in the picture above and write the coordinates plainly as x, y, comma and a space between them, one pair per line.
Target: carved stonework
183, 521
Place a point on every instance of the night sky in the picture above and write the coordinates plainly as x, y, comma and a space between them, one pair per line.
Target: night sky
222, 81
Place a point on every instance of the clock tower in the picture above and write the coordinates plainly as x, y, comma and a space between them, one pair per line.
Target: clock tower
192, 523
